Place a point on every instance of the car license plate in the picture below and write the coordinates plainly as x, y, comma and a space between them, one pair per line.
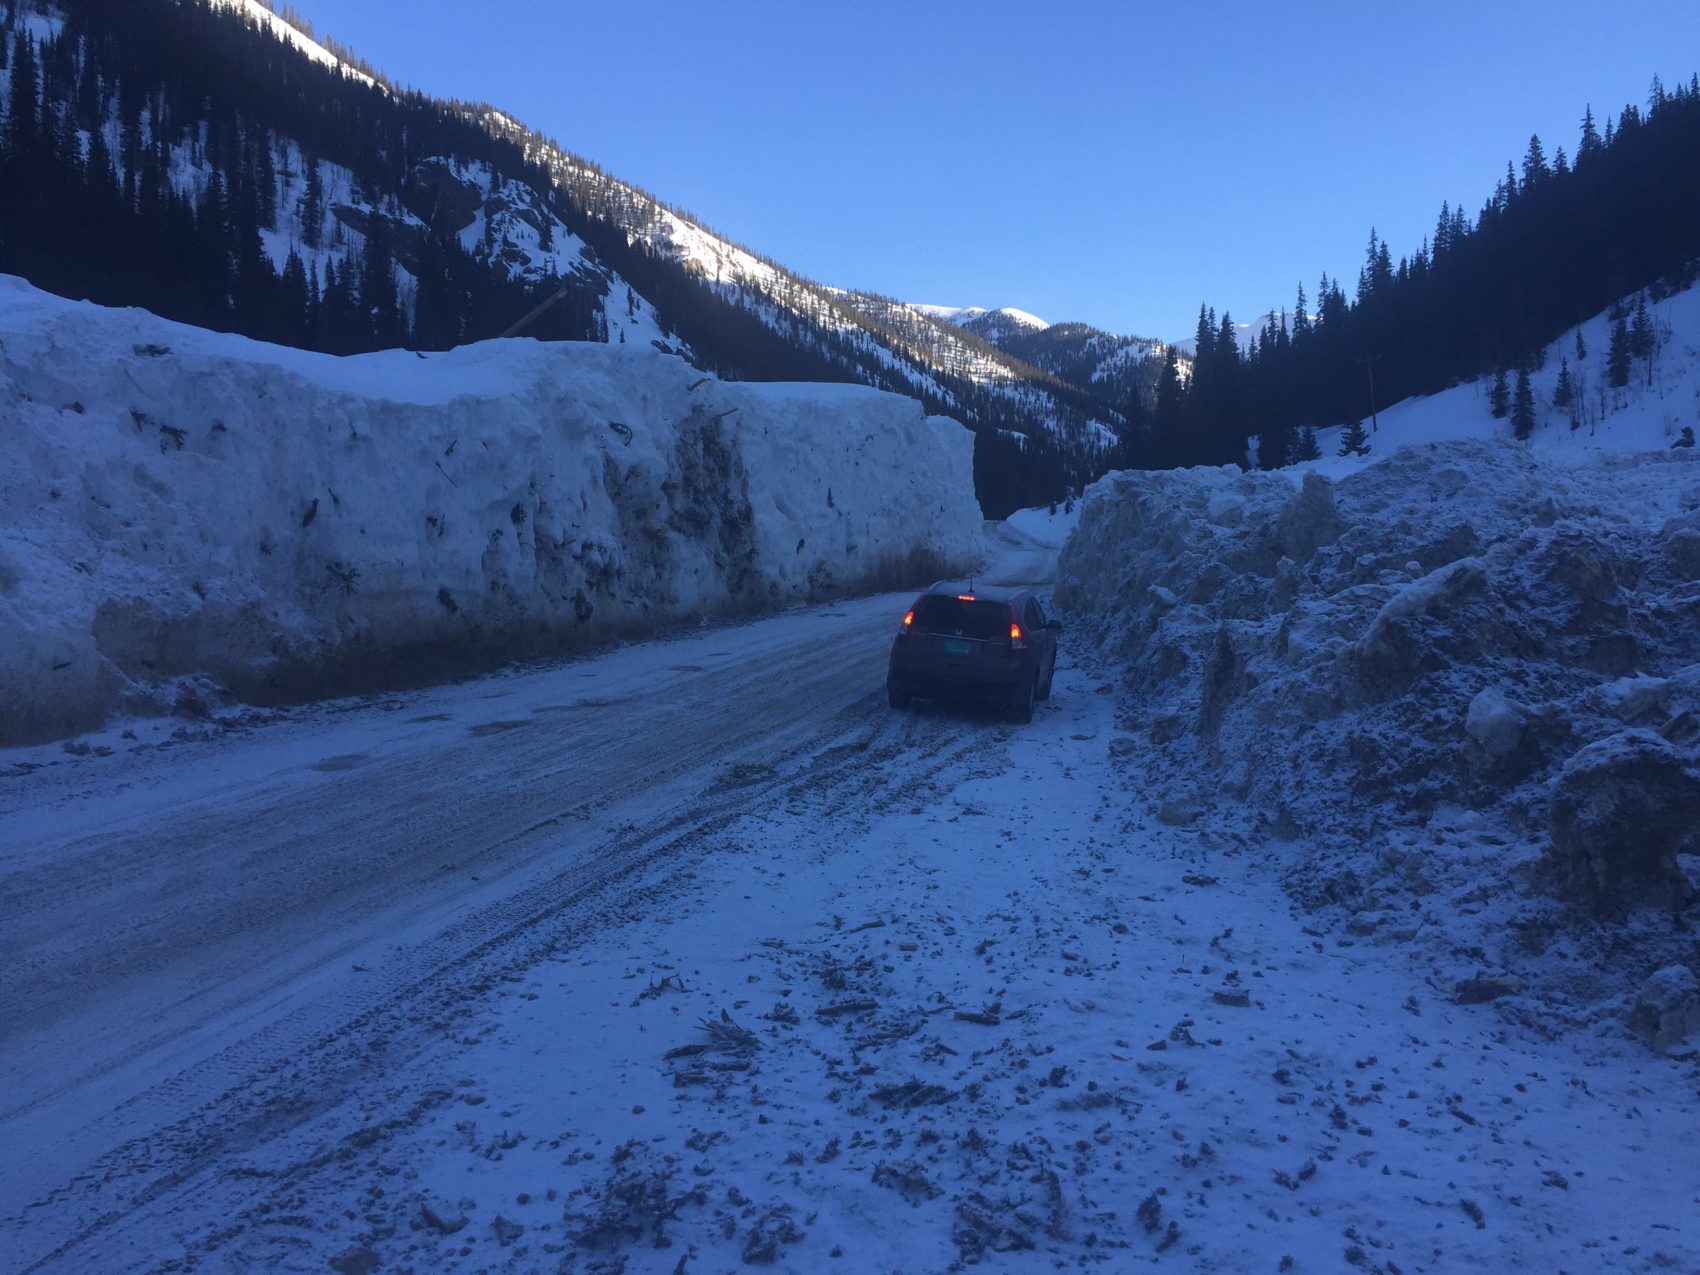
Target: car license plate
956, 646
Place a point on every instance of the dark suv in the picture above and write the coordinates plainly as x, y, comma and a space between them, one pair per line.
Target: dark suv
959, 642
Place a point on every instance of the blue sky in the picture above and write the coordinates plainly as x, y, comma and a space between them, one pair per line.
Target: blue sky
1116, 163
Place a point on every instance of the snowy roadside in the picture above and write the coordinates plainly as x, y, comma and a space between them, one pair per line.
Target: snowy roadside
942, 991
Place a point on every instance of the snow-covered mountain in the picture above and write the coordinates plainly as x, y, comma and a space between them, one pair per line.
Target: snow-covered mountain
952, 367
1110, 366
991, 326
344, 171
1106, 366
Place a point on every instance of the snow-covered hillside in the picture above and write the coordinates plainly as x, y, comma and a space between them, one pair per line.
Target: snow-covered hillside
183, 504
263, 16
1650, 412
325, 216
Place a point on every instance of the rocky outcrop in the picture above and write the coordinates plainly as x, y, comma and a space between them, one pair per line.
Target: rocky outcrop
442, 198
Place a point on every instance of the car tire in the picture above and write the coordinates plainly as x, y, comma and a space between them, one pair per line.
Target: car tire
895, 697
1021, 711
1050, 676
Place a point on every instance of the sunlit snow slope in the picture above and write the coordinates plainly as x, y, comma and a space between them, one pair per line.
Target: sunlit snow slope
1662, 397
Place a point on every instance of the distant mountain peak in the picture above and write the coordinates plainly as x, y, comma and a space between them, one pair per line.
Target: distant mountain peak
974, 316
1022, 317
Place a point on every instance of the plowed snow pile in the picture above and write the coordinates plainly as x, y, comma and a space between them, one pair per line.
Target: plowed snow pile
178, 504
1461, 683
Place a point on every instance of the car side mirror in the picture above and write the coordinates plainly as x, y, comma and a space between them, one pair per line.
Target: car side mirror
1054, 624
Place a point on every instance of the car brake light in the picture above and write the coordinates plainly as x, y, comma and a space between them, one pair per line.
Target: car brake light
908, 617
1016, 639
965, 597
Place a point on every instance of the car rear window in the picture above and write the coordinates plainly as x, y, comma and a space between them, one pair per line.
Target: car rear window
935, 614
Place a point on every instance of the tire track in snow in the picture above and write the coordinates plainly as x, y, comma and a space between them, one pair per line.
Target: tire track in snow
294, 1070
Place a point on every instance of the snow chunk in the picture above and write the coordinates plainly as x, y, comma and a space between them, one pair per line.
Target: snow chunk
1437, 586
1495, 722
1667, 1011
1049, 527
1226, 509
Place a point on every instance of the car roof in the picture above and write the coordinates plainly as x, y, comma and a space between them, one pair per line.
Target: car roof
981, 593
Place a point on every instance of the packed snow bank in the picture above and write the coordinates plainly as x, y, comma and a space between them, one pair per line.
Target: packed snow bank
1050, 526
1462, 681
184, 504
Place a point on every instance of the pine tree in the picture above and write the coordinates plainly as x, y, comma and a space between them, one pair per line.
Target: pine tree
21, 118
1377, 272
1581, 346
1308, 448
1132, 446
1620, 356
1564, 393
1641, 330
290, 303
1354, 440
380, 309
1590, 144
312, 204
1523, 407
254, 279
265, 172
1166, 422
1275, 447
1225, 442
1535, 170
1499, 397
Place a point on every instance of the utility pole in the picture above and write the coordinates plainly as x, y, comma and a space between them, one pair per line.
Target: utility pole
537, 310
1369, 361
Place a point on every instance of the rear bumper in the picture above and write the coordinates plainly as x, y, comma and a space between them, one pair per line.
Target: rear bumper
930, 675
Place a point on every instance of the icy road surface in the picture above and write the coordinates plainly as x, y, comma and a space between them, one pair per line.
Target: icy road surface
696, 955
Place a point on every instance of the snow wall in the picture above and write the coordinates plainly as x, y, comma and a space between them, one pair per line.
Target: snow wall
1458, 635
185, 512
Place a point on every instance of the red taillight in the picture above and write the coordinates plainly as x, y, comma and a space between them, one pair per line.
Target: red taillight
1016, 638
965, 597
908, 617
